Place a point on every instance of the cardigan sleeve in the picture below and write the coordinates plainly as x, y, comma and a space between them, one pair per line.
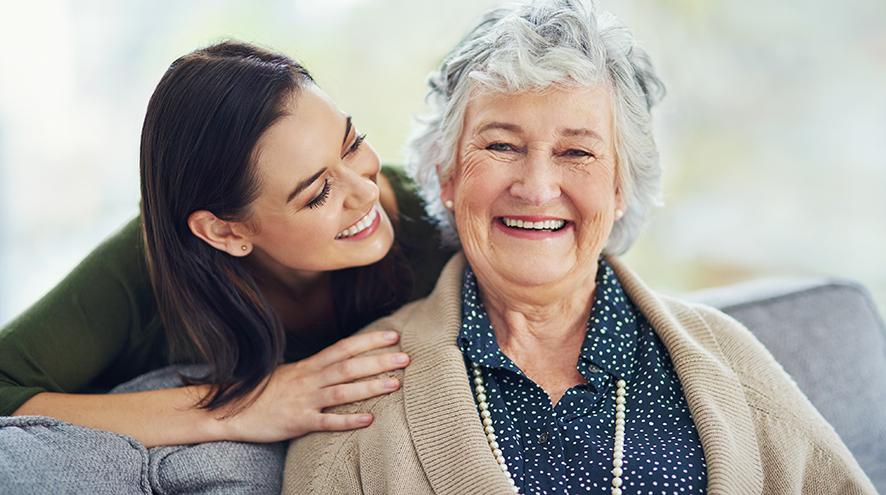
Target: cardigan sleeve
799, 450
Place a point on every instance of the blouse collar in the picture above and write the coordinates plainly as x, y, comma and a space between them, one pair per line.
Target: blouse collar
610, 343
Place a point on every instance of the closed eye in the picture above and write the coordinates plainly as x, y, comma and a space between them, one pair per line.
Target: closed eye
353, 148
321, 198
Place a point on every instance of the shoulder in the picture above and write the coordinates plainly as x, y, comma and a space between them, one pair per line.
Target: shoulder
781, 411
324, 461
768, 386
783, 417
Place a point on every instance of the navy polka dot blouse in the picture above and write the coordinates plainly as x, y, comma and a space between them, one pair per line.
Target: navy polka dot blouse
567, 448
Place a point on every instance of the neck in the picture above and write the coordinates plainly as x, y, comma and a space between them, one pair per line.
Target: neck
302, 300
541, 329
539, 314
274, 277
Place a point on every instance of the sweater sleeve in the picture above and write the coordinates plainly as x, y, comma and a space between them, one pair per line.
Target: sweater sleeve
98, 327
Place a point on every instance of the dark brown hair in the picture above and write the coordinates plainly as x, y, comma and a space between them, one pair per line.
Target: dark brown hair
197, 153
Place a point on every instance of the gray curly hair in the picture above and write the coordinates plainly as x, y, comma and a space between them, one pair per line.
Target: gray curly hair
530, 46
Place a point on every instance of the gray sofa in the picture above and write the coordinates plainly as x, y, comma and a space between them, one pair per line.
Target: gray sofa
827, 335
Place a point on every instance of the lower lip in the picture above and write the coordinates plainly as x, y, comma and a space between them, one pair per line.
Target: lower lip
368, 231
534, 235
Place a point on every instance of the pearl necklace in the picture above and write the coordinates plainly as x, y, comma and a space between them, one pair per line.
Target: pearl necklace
486, 417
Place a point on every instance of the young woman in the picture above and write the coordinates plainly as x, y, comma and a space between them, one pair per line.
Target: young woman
266, 235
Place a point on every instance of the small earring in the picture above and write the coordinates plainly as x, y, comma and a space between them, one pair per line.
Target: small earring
448, 204
243, 247
619, 214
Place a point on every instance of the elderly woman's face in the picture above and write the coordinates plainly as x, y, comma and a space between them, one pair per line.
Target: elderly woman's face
535, 186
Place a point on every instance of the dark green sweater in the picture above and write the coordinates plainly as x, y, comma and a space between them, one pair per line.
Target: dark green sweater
100, 327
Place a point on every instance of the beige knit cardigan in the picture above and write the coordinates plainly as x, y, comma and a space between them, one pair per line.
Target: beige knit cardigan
759, 433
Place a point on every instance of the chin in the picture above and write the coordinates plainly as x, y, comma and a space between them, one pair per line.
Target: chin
539, 276
380, 246
529, 270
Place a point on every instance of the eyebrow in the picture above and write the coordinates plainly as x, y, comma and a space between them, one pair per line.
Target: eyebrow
348, 125
581, 132
500, 125
304, 184
505, 126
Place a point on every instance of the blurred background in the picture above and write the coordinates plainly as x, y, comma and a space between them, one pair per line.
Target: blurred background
773, 134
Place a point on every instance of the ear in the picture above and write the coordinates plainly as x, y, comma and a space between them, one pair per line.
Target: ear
447, 192
220, 234
620, 202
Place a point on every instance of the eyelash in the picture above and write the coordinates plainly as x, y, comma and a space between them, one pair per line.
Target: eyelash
356, 146
583, 154
321, 198
497, 147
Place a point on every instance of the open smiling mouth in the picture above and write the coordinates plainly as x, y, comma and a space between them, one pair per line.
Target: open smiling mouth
363, 227
533, 226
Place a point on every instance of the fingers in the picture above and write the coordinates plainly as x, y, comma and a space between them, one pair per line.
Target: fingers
350, 347
353, 392
356, 368
341, 422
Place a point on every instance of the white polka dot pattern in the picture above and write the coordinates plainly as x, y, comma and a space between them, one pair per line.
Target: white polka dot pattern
567, 448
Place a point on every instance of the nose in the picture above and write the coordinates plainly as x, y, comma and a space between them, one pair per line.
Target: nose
361, 181
538, 180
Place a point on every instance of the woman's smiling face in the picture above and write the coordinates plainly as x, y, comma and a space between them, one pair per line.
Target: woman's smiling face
318, 207
534, 187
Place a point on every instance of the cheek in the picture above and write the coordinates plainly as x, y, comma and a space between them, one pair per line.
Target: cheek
305, 233
594, 196
594, 189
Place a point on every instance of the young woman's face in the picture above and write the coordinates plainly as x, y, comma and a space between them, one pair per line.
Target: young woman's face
318, 207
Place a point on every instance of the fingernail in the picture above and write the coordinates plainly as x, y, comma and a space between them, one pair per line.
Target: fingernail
392, 383
401, 359
391, 335
365, 418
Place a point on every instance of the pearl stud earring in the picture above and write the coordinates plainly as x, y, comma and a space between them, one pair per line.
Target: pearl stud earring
619, 214
243, 247
448, 204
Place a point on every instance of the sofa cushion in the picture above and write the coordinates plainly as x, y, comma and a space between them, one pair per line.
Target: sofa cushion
212, 467
40, 455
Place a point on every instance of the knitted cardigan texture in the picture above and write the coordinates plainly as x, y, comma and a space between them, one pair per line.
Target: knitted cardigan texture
759, 433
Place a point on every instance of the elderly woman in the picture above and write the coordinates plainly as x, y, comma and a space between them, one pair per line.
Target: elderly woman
541, 364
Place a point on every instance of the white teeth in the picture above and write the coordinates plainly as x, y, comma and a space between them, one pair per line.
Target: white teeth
360, 226
543, 225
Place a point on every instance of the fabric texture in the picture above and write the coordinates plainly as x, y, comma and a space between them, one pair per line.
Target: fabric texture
759, 432
567, 448
40, 455
212, 468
